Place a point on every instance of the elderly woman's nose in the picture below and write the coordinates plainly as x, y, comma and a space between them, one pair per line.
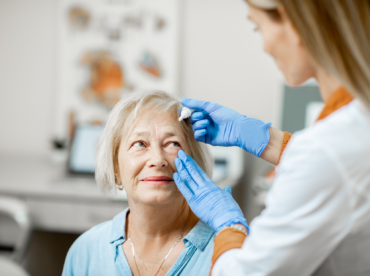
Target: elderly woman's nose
157, 158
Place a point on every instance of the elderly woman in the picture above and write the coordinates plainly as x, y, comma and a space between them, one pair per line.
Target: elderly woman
158, 234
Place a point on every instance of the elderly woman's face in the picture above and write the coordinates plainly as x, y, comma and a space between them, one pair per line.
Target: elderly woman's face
147, 154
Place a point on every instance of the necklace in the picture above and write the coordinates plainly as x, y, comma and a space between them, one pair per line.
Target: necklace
165, 258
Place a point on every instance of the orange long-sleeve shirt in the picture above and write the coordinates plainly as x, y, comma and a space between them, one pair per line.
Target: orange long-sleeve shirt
232, 238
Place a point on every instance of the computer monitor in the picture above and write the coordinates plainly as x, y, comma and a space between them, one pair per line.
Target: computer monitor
82, 155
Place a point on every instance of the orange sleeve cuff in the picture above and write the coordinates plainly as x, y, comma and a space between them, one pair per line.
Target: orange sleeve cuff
228, 239
286, 139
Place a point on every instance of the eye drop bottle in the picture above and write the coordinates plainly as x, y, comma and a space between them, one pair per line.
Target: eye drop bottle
185, 113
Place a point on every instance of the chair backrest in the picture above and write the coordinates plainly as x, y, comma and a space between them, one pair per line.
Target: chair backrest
9, 267
18, 211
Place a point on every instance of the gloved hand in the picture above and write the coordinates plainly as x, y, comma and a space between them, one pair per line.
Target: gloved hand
217, 125
210, 203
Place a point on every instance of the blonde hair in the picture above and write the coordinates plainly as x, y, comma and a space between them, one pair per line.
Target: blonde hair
336, 33
122, 115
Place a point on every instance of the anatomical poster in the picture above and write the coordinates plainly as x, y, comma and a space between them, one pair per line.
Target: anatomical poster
108, 48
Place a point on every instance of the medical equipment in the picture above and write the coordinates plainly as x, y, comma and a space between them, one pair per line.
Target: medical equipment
185, 113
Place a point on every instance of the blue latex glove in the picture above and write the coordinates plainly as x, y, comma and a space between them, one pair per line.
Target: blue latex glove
210, 203
217, 125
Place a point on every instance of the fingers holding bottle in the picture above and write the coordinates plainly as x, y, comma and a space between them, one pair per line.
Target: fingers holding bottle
208, 107
221, 126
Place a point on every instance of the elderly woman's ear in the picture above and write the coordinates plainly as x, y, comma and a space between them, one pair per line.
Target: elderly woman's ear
118, 182
117, 178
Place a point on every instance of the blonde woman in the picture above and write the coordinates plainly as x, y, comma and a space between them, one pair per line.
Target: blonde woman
317, 217
158, 234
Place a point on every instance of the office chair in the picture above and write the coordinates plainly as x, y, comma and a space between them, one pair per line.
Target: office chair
17, 211
11, 268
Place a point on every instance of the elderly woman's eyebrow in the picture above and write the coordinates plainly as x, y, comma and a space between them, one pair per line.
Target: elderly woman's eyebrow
169, 134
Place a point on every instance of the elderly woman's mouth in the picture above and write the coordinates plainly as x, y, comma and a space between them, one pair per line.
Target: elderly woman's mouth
157, 180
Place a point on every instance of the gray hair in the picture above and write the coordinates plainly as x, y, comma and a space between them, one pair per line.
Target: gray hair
123, 113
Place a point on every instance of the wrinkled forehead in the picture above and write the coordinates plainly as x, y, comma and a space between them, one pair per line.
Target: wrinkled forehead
154, 122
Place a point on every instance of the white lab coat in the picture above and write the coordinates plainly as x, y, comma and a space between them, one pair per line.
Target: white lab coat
317, 219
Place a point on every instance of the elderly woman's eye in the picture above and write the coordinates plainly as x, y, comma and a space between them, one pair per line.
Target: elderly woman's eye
139, 144
174, 144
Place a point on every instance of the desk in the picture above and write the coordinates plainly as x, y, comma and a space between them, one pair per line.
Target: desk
71, 204
56, 202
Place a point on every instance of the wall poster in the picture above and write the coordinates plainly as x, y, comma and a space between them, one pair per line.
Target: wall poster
107, 48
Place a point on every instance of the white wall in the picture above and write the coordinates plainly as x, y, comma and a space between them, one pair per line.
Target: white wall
222, 61
26, 75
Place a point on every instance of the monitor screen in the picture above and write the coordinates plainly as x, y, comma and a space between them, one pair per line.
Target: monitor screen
82, 157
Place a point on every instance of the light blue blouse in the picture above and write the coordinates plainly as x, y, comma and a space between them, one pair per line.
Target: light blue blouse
99, 252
